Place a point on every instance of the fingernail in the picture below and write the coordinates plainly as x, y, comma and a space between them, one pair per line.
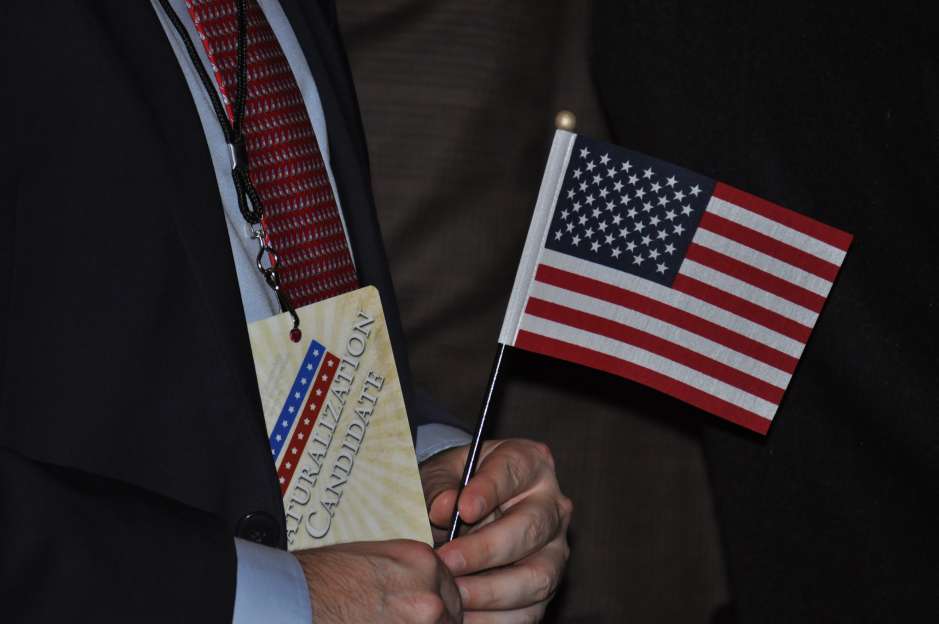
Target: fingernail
454, 560
464, 595
475, 509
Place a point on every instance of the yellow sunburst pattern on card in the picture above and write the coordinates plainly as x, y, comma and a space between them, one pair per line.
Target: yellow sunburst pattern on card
337, 425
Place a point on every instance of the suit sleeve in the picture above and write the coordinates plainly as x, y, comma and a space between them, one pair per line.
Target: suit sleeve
101, 441
74, 546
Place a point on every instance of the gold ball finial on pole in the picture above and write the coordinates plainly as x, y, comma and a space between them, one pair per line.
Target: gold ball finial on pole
565, 120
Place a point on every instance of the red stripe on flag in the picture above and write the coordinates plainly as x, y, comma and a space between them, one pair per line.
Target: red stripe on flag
586, 357
659, 346
742, 307
769, 246
664, 312
755, 277
775, 212
306, 419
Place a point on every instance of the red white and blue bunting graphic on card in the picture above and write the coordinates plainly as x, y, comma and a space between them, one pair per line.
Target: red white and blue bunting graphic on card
301, 409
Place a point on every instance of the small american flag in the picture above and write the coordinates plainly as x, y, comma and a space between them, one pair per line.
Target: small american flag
652, 272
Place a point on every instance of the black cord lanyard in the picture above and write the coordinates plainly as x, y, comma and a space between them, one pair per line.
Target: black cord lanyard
249, 202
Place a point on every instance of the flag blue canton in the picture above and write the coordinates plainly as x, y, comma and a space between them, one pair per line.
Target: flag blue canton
627, 211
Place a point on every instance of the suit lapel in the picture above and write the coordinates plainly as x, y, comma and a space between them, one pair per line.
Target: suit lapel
198, 212
196, 207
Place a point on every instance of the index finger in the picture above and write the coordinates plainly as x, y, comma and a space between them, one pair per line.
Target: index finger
524, 529
510, 469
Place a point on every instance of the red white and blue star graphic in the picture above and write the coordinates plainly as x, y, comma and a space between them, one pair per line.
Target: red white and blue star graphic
301, 408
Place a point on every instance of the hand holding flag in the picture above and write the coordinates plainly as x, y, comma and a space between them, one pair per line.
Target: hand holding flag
651, 272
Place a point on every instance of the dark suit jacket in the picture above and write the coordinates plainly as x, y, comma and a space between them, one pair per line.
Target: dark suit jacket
132, 443
832, 110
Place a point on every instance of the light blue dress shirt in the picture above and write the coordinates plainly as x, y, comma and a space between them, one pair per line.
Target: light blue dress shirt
270, 583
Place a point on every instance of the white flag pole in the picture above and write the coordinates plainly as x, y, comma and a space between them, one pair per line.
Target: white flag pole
565, 121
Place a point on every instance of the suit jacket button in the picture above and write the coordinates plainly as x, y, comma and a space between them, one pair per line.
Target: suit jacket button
259, 527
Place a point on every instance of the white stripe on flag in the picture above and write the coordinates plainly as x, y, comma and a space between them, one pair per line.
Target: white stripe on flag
751, 293
776, 230
651, 361
760, 260
661, 329
676, 299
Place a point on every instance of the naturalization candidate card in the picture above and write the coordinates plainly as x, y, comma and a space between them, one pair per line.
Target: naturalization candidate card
337, 425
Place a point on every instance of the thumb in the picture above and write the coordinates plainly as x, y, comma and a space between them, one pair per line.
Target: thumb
440, 509
440, 477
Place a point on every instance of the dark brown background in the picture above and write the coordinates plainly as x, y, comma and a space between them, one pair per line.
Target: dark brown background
458, 99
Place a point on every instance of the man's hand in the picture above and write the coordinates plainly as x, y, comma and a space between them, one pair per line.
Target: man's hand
393, 581
510, 562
